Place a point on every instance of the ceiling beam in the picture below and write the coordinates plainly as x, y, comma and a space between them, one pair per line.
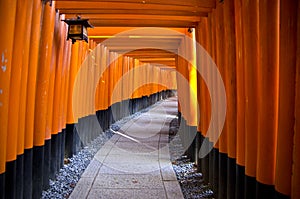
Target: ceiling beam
135, 16
199, 3
132, 11
109, 31
73, 5
143, 23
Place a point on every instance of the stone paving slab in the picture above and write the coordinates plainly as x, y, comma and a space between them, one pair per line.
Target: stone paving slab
136, 165
127, 194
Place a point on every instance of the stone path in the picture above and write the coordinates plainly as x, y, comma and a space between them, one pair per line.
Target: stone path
135, 162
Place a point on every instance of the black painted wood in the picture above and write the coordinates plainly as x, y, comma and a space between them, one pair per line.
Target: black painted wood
215, 181
205, 166
2, 185
281, 196
47, 164
264, 191
240, 182
28, 161
59, 152
211, 166
231, 177
37, 174
20, 176
10, 179
54, 156
63, 142
250, 187
222, 194
69, 141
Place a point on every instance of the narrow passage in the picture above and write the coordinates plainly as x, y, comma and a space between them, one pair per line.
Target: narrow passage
135, 162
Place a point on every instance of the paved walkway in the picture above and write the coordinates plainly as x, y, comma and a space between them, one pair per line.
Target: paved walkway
135, 162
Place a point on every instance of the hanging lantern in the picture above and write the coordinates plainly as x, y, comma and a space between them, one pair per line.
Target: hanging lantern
77, 29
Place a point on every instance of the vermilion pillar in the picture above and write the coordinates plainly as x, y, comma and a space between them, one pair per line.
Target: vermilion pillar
268, 94
251, 57
8, 14
287, 70
296, 150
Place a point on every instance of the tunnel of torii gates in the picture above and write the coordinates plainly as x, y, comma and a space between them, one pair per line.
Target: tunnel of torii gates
51, 89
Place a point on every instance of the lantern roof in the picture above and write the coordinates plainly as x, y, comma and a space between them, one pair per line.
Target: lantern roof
84, 22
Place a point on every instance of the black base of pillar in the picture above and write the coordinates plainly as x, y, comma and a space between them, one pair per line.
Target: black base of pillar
47, 164
281, 196
54, 156
211, 166
222, 176
69, 144
28, 157
205, 168
204, 163
2, 185
250, 187
240, 182
10, 179
231, 177
198, 142
59, 151
37, 174
63, 142
264, 191
20, 176
215, 172
190, 134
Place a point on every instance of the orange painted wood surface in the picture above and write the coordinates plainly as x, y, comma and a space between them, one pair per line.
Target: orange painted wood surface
32, 72
8, 14
24, 79
240, 81
268, 94
43, 75
251, 42
286, 120
73, 73
296, 149
220, 61
15, 81
230, 73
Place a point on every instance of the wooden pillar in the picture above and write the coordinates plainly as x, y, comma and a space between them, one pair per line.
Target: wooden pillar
8, 14
59, 82
43, 75
21, 186
41, 100
240, 86
268, 95
30, 95
73, 73
231, 94
221, 53
15, 82
287, 70
251, 41
214, 154
14, 164
66, 78
296, 150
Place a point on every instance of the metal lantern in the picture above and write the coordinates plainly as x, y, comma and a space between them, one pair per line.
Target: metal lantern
77, 29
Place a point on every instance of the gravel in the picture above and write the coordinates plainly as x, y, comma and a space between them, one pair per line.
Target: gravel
64, 183
69, 175
191, 181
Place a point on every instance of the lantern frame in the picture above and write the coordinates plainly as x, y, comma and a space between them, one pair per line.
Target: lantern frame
77, 29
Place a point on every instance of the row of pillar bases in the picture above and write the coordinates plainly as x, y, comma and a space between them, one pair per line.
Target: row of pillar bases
29, 174
227, 179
